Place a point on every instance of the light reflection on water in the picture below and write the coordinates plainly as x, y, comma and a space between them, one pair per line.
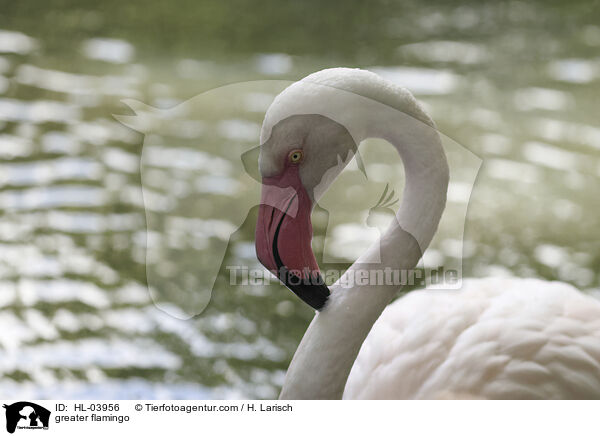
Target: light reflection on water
73, 240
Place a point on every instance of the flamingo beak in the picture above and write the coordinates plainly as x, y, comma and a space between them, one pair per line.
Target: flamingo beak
284, 234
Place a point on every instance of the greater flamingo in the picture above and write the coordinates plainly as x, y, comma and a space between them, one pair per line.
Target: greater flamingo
494, 338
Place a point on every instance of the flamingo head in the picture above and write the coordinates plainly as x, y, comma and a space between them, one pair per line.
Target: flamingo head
297, 163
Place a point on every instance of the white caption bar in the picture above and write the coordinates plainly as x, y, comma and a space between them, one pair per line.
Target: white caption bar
300, 417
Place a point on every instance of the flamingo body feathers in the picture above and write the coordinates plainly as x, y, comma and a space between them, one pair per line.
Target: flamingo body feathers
495, 338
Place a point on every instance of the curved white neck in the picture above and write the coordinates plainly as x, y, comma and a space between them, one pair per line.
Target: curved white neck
325, 356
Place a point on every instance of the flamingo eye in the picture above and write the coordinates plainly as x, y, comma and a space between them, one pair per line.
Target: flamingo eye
296, 156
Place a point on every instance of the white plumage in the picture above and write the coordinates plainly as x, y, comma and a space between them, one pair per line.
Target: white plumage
494, 338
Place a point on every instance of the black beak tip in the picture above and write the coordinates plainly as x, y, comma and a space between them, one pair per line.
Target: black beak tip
313, 291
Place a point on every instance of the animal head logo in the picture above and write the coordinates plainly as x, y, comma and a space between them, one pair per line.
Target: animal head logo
26, 415
382, 212
201, 184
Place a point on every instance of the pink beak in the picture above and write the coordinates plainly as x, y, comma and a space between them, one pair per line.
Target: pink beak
284, 234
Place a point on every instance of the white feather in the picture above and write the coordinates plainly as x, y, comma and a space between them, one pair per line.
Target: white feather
494, 338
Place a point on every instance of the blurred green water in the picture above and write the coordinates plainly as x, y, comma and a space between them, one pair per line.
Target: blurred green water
517, 83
